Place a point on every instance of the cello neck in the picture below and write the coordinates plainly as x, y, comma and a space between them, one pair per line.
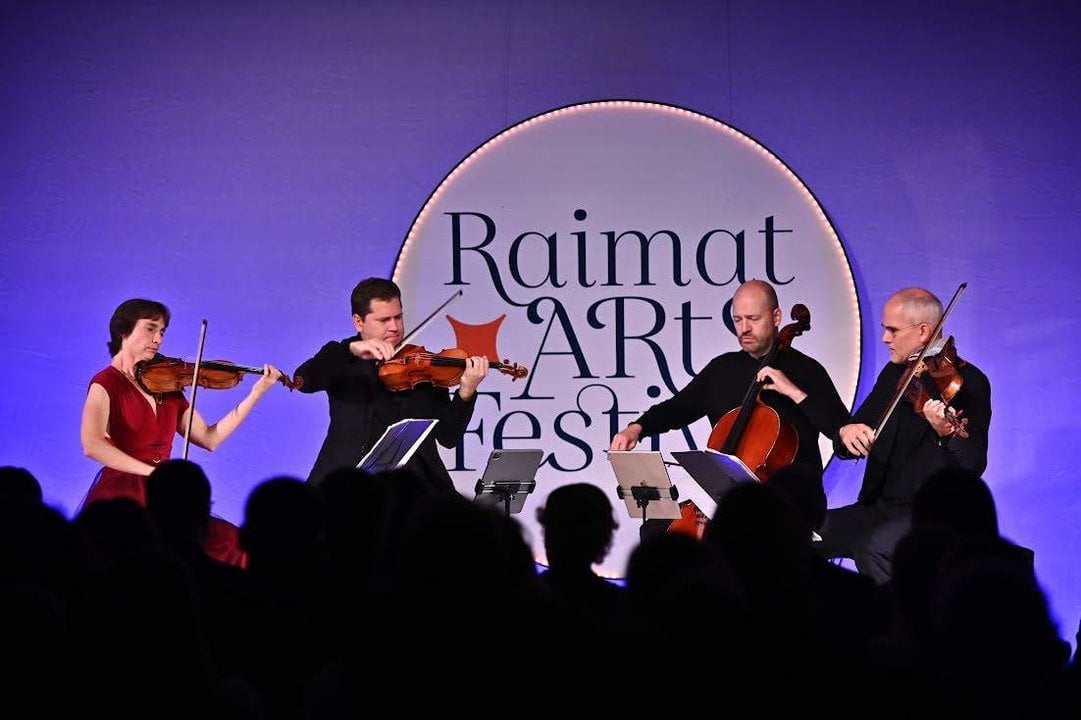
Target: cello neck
749, 400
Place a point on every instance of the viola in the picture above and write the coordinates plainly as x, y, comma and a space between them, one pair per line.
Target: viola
414, 364
933, 372
936, 376
163, 374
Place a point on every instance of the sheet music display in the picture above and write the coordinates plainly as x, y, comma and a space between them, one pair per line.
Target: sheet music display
396, 445
644, 484
716, 472
508, 478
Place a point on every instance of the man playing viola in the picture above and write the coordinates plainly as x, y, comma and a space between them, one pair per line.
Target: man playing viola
362, 407
912, 444
793, 384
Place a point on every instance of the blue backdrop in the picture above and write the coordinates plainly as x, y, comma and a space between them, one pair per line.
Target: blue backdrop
248, 166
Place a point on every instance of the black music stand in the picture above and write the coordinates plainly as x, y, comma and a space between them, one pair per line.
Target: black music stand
716, 472
508, 479
396, 445
644, 483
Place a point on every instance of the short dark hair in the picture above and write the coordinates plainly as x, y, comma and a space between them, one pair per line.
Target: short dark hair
373, 288
130, 312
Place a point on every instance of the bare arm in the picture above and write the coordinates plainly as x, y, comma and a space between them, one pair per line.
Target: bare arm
211, 436
94, 434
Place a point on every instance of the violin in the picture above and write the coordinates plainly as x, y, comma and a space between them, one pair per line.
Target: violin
414, 364
163, 374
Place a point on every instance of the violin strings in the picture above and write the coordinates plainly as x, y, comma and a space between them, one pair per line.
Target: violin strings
432, 356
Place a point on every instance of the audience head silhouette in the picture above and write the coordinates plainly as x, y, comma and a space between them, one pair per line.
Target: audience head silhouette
802, 485
178, 500
958, 499
578, 524
283, 523
18, 488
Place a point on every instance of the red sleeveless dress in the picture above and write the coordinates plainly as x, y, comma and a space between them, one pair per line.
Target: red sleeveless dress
146, 433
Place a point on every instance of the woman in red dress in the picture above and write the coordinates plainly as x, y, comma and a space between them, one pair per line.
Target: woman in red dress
131, 431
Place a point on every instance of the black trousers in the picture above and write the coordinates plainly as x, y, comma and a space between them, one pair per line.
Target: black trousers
867, 533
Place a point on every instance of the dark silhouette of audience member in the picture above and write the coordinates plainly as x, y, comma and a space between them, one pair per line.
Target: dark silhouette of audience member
847, 607
285, 638
358, 507
466, 578
120, 527
957, 499
372, 583
366, 517
178, 505
764, 539
948, 652
684, 604
142, 645
578, 525
903, 651
962, 501
998, 651
18, 488
40, 583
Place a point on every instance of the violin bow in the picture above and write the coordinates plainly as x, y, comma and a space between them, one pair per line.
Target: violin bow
194, 387
424, 323
919, 358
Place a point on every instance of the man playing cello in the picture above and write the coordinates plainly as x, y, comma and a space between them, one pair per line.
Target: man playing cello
795, 385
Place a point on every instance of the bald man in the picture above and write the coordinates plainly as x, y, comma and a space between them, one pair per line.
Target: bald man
794, 384
913, 444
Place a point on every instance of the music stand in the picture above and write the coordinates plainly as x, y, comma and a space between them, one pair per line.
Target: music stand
396, 445
644, 483
716, 472
508, 478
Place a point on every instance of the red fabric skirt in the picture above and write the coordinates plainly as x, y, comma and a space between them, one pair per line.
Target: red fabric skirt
222, 540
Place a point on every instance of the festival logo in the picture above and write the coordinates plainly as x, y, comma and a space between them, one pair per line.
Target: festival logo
594, 250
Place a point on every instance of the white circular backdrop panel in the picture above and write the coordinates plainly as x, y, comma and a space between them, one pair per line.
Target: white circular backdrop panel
599, 245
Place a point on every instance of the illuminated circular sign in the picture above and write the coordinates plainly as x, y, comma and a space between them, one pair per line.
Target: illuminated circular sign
599, 245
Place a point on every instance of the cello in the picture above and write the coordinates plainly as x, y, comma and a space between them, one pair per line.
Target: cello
754, 432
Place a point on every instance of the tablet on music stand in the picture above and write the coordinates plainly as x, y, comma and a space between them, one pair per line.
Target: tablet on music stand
508, 478
397, 444
644, 485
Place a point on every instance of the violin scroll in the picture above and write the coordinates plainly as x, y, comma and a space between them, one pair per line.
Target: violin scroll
513, 369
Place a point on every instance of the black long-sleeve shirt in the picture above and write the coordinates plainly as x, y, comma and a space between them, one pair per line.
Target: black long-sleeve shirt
361, 409
723, 383
908, 450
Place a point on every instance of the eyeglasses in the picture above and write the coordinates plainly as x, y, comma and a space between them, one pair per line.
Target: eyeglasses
891, 331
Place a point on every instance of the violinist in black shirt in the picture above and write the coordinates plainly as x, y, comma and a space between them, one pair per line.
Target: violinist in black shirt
362, 406
911, 445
